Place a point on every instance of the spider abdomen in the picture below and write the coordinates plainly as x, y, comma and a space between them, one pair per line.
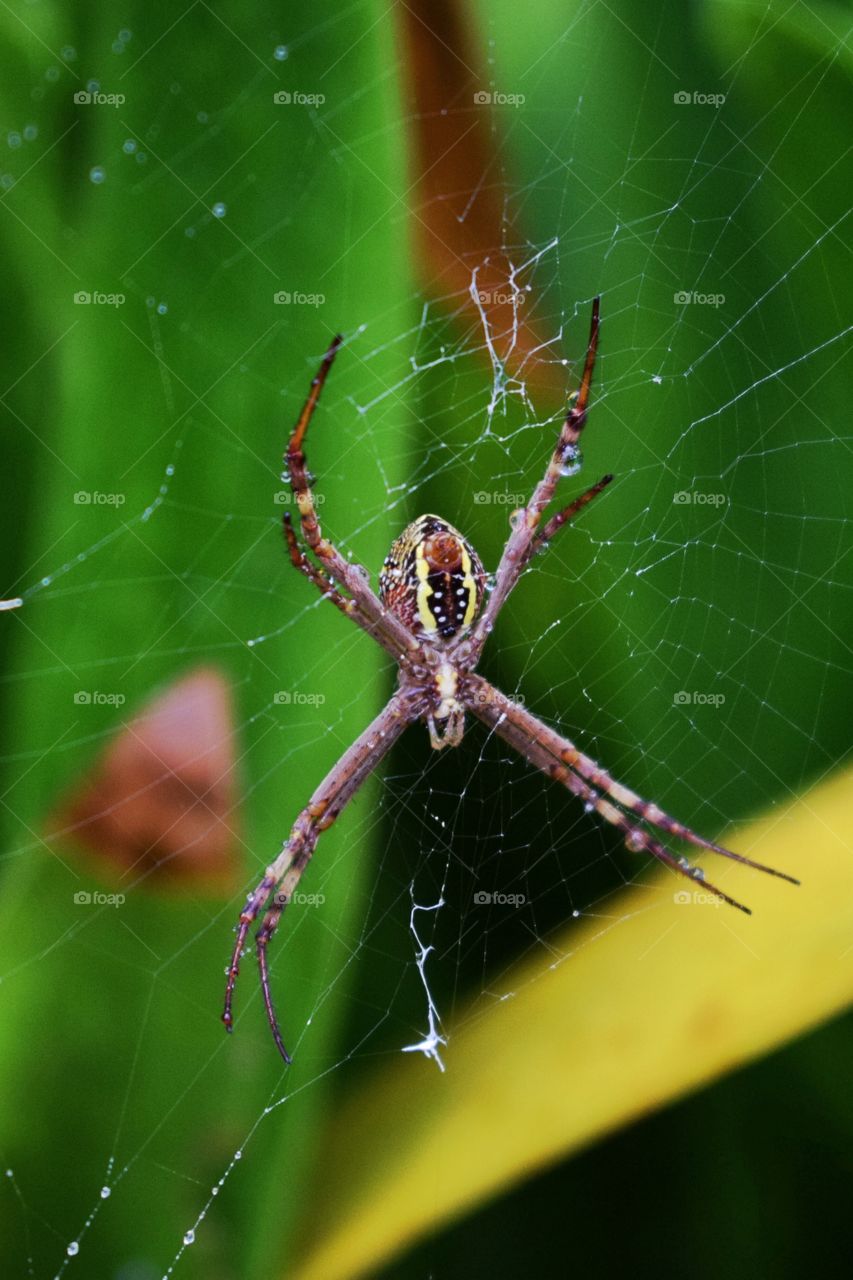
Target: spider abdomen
432, 579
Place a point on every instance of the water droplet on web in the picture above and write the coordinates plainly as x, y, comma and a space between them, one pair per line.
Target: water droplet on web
189, 1236
97, 174
13, 139
657, 378
162, 308
129, 146
219, 210
125, 35
31, 133
73, 1249
106, 1192
238, 1155
141, 157
280, 52
68, 54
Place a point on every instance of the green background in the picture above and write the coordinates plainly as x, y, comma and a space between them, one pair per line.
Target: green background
110, 1045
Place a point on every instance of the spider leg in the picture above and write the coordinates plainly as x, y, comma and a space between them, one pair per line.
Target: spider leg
561, 760
326, 587
526, 520
339, 786
544, 536
336, 566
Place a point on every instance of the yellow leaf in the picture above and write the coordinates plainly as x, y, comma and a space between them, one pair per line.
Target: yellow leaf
628, 1012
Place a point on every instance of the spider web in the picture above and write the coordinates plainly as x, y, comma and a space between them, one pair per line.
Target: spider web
687, 632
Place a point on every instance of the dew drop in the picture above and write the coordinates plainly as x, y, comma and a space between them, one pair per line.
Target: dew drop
97, 174
189, 1236
202, 117
219, 210
125, 35
68, 54
52, 74
106, 1192
280, 52
13, 139
73, 1249
31, 132
162, 308
129, 146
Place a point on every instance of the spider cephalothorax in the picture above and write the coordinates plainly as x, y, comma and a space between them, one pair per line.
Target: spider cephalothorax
428, 618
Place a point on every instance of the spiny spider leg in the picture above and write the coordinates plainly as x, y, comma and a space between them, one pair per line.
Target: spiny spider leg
544, 536
327, 589
526, 520
560, 759
334, 792
352, 576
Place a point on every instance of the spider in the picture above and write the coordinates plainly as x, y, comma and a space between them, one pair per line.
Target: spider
429, 617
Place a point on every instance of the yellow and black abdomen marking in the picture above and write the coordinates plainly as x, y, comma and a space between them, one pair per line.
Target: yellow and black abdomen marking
432, 579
